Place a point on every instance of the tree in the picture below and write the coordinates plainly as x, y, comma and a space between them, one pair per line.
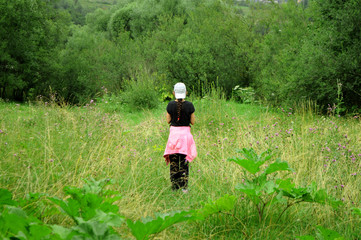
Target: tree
29, 31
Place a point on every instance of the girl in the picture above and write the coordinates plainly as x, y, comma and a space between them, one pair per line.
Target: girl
181, 148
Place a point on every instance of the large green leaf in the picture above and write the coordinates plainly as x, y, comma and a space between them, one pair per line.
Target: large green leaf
39, 231
70, 206
62, 232
356, 211
306, 237
252, 161
285, 184
142, 229
225, 203
6, 198
250, 165
327, 234
278, 166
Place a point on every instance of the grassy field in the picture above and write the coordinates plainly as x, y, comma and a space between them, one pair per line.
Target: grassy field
44, 147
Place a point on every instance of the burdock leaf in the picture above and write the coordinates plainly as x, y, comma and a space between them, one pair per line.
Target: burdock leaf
278, 166
327, 234
142, 229
250, 165
6, 197
225, 203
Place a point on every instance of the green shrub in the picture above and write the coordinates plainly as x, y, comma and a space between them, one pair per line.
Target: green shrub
141, 93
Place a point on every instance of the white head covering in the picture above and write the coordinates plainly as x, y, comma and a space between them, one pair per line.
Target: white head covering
180, 91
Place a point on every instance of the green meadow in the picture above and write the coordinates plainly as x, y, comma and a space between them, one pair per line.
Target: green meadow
45, 147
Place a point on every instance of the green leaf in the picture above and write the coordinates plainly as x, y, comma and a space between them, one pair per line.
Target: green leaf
306, 237
70, 207
248, 188
147, 226
252, 161
92, 228
64, 233
6, 198
250, 165
111, 219
285, 184
327, 234
277, 166
356, 211
39, 231
225, 203
269, 187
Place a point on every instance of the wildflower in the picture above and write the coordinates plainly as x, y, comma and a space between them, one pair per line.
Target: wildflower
221, 124
342, 185
233, 117
276, 134
353, 174
198, 170
336, 187
1, 131
51, 160
276, 147
257, 142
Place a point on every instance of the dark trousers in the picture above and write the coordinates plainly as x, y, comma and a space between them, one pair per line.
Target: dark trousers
179, 171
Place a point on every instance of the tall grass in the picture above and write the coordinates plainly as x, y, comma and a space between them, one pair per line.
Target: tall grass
45, 147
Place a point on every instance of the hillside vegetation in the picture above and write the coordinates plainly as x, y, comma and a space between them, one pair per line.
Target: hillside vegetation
287, 52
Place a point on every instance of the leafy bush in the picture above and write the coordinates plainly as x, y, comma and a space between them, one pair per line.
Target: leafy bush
264, 189
244, 95
141, 93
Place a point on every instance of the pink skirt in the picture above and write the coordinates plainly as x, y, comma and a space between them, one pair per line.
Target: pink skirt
181, 141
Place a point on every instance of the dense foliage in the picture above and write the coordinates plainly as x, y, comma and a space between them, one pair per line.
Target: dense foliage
287, 52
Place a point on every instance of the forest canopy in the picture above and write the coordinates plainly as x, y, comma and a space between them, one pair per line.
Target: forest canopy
286, 51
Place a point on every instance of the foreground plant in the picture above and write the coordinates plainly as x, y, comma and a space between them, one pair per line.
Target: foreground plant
264, 188
95, 215
145, 227
323, 234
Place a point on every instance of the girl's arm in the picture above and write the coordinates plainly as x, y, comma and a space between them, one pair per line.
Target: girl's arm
169, 118
193, 119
